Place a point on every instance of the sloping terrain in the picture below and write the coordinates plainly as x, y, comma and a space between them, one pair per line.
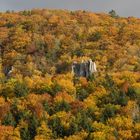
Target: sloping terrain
39, 97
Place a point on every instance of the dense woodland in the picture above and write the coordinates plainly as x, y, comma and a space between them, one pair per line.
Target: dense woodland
41, 100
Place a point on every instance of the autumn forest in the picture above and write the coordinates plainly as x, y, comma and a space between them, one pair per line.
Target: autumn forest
40, 97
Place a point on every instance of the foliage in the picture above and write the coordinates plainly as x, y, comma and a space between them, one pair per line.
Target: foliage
113, 14
40, 99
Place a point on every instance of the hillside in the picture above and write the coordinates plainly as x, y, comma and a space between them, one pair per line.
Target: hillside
39, 97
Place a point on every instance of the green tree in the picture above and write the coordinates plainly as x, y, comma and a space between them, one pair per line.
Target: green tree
9, 120
20, 89
113, 14
62, 106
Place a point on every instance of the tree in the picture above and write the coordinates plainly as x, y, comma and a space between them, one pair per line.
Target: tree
20, 89
109, 111
95, 36
62, 106
113, 14
43, 132
9, 120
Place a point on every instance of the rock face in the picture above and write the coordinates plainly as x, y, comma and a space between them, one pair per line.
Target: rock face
8, 70
84, 69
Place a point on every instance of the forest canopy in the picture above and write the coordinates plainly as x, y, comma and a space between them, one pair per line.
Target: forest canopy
39, 96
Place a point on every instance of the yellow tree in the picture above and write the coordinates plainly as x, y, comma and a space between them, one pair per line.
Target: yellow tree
43, 132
